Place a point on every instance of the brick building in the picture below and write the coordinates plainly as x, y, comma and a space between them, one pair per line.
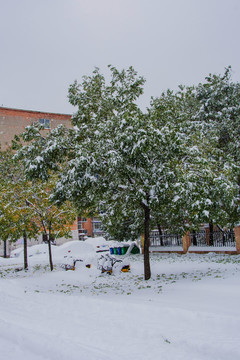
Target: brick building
14, 121
89, 227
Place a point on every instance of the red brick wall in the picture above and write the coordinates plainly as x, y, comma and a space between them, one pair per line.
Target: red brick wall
13, 122
88, 227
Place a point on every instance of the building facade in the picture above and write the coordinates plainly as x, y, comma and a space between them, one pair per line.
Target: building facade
89, 227
14, 121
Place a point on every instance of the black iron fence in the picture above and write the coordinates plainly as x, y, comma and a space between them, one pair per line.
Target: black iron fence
200, 238
165, 239
215, 238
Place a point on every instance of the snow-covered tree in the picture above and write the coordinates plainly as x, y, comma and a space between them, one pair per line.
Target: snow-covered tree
219, 100
210, 187
122, 163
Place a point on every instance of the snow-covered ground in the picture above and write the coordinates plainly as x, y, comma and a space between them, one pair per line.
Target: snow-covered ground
189, 309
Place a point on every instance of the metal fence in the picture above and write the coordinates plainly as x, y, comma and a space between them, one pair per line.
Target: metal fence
200, 238
165, 239
215, 238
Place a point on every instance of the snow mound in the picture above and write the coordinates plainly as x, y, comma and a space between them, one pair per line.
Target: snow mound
75, 249
32, 250
96, 241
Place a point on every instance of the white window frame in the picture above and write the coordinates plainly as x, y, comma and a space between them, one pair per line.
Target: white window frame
46, 123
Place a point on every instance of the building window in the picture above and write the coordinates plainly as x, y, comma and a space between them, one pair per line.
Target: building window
82, 231
45, 123
97, 226
80, 219
81, 222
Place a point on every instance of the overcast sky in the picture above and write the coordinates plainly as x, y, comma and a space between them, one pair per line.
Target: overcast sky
47, 44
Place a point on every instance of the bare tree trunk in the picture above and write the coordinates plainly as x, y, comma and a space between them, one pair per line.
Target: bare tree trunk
5, 249
25, 250
160, 234
147, 269
50, 249
50, 254
48, 236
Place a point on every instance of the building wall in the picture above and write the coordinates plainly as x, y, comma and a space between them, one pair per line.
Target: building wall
14, 121
84, 227
89, 227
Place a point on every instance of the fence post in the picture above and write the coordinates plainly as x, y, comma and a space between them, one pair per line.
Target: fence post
186, 242
237, 238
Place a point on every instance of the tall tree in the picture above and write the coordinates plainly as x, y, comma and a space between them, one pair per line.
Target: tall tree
120, 162
219, 99
26, 208
16, 220
53, 220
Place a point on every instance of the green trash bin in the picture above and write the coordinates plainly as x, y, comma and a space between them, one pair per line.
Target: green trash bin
135, 250
115, 251
124, 249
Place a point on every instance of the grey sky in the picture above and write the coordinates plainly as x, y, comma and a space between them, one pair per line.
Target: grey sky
47, 44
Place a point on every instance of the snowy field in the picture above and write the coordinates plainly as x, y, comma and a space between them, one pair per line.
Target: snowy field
189, 309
